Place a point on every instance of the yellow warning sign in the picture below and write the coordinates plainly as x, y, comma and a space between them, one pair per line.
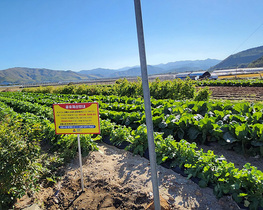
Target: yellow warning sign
77, 118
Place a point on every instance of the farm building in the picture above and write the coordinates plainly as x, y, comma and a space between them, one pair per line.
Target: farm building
182, 75
194, 75
200, 75
213, 76
237, 71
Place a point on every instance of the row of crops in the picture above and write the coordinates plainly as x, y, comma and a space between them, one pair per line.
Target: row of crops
179, 127
232, 82
31, 153
175, 89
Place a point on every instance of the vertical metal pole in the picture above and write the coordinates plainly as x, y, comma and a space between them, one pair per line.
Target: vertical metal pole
147, 103
80, 164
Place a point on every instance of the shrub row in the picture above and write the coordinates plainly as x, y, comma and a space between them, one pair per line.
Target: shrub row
177, 89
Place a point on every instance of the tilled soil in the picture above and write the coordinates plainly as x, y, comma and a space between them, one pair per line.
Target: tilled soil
237, 93
116, 179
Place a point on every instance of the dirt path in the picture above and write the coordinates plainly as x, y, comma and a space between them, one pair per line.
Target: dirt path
116, 179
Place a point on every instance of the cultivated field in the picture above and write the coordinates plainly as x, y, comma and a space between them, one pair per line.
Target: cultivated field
190, 137
258, 75
237, 93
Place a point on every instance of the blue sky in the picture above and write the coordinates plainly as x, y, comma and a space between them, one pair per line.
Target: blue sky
85, 34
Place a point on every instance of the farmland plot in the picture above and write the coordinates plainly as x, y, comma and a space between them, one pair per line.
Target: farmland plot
237, 93
235, 126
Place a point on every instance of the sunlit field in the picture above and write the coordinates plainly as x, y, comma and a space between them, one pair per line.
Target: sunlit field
241, 76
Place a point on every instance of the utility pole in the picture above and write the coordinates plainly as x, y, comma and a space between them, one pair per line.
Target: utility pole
147, 104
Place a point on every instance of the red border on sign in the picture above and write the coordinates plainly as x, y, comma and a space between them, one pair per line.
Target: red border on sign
71, 104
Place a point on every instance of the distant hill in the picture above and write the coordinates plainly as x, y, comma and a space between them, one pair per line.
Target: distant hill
99, 72
256, 63
136, 71
241, 59
129, 72
21, 75
35, 75
174, 67
188, 65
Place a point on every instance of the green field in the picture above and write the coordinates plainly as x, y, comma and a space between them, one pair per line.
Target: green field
27, 124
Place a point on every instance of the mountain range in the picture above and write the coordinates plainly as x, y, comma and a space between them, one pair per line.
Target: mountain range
248, 58
20, 75
242, 59
256, 63
172, 67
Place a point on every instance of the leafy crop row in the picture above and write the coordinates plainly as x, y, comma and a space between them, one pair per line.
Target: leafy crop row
232, 82
177, 89
202, 121
19, 154
233, 125
23, 163
244, 185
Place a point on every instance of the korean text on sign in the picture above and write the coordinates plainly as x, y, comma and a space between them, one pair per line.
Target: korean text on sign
78, 118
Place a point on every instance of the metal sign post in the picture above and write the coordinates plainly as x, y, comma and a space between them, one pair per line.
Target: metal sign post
147, 103
80, 164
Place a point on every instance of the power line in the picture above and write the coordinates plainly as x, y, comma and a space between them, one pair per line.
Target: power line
247, 38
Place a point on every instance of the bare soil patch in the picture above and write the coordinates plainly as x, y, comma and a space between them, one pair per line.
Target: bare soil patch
237, 93
116, 179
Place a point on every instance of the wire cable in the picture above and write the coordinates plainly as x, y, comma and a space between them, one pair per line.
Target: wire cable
247, 38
